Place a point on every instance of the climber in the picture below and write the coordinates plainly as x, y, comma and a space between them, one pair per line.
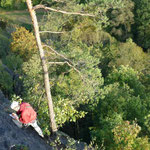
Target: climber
25, 116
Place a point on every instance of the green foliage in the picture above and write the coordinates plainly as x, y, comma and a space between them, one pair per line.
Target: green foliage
108, 51
147, 123
69, 90
6, 81
20, 147
9, 68
16, 4
79, 85
88, 47
13, 4
77, 88
141, 143
127, 75
13, 62
65, 111
89, 32
120, 20
4, 42
125, 137
34, 90
102, 131
123, 96
23, 43
142, 23
6, 3
125, 134
70, 22
129, 54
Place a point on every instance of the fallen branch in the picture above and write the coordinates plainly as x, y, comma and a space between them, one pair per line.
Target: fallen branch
61, 11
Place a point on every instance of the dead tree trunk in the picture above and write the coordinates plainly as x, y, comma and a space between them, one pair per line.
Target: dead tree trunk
44, 66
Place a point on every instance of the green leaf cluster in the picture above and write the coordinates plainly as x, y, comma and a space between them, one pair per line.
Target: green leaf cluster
6, 81
23, 43
16, 4
100, 79
124, 97
120, 20
142, 23
125, 137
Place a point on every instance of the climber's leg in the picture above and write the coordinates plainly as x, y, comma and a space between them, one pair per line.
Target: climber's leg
37, 128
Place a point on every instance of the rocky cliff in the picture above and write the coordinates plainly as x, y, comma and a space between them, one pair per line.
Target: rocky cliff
14, 138
11, 135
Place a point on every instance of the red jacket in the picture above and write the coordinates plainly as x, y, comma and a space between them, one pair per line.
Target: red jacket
26, 113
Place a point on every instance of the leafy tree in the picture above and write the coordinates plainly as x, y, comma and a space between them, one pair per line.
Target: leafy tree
69, 90
12, 4
4, 42
101, 132
42, 56
120, 20
142, 23
124, 98
16, 4
23, 43
13, 62
129, 54
127, 75
10, 68
88, 76
126, 137
7, 3
6, 81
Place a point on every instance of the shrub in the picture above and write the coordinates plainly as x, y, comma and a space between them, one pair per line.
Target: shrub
6, 81
23, 43
127, 75
13, 62
125, 137
129, 54
4, 42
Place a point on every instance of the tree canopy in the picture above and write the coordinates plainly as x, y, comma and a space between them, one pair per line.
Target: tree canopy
97, 53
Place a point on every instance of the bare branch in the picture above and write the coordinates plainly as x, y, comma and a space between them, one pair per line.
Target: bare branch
65, 62
58, 1
54, 32
51, 53
61, 11
58, 53
68, 62
56, 63
73, 67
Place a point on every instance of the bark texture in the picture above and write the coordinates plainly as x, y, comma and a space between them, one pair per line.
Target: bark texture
44, 65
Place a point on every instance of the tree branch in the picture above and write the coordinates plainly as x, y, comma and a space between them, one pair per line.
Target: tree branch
58, 53
56, 63
65, 62
61, 11
51, 32
68, 62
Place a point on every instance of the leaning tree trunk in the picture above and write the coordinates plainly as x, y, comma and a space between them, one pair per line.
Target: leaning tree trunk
44, 65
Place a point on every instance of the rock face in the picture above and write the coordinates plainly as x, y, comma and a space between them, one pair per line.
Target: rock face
11, 135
